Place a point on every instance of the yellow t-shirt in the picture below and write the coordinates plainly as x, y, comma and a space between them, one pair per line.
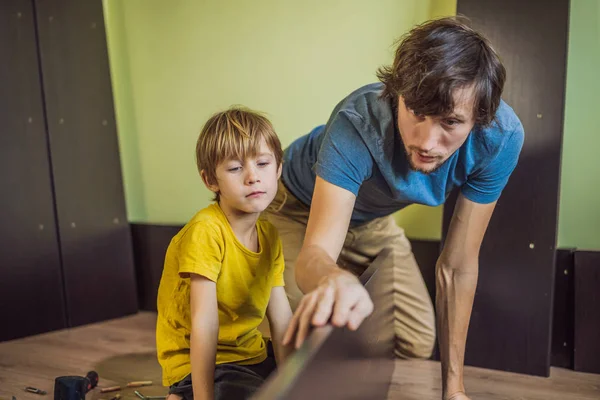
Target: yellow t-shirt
207, 246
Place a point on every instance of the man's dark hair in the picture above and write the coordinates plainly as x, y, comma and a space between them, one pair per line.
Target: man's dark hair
439, 56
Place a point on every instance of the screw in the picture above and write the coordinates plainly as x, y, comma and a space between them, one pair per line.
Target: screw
73, 225
531, 245
539, 116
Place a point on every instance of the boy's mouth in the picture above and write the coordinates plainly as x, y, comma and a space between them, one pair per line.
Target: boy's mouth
255, 194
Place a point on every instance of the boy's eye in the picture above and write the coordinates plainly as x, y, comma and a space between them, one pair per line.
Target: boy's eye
263, 163
234, 169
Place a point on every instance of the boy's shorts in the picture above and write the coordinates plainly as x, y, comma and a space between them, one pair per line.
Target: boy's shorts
232, 381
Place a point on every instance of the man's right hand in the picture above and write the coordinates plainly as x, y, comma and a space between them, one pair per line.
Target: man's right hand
340, 297
458, 396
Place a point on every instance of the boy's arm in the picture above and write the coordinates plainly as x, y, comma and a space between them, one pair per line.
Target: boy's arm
204, 335
279, 314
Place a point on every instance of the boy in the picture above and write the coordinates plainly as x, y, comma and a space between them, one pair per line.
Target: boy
224, 269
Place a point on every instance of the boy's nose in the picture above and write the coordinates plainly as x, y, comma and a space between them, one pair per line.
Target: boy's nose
252, 176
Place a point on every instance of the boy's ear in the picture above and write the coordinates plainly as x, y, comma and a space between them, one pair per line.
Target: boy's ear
279, 170
213, 187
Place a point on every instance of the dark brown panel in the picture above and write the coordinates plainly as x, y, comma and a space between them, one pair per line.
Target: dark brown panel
426, 253
340, 364
95, 236
30, 279
511, 324
150, 244
563, 319
587, 311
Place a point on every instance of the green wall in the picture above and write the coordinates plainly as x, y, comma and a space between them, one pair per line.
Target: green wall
579, 216
175, 63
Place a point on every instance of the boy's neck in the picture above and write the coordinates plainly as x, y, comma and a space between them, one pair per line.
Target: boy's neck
243, 226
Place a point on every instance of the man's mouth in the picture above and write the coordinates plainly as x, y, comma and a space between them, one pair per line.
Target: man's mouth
425, 158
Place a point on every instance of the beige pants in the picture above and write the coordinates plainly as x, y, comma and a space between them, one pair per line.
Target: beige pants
414, 320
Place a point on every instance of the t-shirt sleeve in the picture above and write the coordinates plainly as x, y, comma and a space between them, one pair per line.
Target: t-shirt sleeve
200, 251
486, 186
343, 159
278, 264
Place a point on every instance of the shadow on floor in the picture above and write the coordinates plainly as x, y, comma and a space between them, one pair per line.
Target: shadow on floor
124, 368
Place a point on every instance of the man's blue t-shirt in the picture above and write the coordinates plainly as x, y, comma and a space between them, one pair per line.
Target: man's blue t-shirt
360, 150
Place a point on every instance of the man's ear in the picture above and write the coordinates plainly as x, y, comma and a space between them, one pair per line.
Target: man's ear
213, 187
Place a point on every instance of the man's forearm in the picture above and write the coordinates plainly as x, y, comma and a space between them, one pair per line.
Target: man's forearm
313, 266
454, 303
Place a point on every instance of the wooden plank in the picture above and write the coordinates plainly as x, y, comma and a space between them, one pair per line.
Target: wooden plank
31, 298
94, 234
337, 363
511, 322
587, 311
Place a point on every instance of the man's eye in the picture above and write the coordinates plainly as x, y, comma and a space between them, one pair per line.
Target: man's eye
451, 122
415, 113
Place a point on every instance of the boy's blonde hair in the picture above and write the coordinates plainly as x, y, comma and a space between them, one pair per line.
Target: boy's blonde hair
234, 133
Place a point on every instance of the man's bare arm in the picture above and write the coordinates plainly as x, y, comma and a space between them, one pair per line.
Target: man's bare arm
456, 273
330, 291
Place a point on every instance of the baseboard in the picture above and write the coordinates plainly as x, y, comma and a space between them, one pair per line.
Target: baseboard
150, 244
563, 315
586, 348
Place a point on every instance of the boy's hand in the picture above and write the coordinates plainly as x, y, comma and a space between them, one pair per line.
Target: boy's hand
340, 296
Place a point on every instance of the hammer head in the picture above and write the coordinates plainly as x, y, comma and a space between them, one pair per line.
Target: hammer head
70, 388
74, 387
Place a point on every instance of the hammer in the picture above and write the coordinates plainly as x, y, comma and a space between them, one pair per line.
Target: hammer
74, 387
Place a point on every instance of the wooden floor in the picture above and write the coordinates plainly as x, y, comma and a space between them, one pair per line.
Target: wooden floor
123, 350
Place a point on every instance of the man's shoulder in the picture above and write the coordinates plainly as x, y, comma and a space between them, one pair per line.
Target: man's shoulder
365, 101
506, 119
505, 131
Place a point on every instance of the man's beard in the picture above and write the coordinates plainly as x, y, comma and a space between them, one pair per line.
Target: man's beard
409, 155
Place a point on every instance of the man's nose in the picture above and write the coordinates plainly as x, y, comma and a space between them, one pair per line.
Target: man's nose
428, 135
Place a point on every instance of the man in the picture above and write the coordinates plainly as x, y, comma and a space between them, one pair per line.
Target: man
435, 122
